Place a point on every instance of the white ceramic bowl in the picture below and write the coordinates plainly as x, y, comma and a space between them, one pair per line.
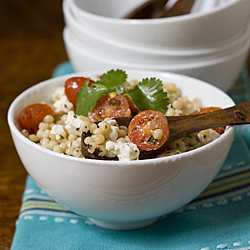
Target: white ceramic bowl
195, 30
110, 48
123, 195
221, 72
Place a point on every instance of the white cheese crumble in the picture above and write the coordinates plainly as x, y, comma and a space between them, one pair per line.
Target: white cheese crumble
124, 149
63, 105
60, 91
73, 123
92, 77
208, 135
59, 131
112, 134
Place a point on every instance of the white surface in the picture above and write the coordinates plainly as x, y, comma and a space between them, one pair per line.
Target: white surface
123, 195
199, 29
221, 72
104, 46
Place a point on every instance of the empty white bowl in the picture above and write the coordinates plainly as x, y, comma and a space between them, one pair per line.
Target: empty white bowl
123, 195
221, 72
104, 46
195, 30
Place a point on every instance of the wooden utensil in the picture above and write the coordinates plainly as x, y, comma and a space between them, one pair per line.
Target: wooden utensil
157, 9
181, 7
148, 9
181, 126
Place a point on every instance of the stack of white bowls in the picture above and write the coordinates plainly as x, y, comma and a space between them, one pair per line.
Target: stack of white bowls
211, 43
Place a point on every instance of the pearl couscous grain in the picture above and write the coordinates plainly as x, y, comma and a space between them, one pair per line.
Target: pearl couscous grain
61, 133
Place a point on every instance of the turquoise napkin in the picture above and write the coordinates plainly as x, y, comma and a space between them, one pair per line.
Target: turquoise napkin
219, 218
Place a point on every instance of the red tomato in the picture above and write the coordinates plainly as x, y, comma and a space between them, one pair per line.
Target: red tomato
219, 130
142, 126
111, 105
32, 115
73, 85
206, 110
132, 106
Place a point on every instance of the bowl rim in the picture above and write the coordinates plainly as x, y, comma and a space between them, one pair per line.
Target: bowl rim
68, 39
170, 20
16, 132
225, 45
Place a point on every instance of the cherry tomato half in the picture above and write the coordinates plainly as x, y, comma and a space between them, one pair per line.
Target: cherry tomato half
206, 110
219, 130
111, 105
149, 130
73, 85
32, 115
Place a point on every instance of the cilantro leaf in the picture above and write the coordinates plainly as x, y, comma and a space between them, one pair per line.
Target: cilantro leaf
88, 96
149, 95
114, 80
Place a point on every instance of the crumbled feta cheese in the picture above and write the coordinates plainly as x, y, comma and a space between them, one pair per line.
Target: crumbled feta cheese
112, 134
208, 135
63, 105
92, 77
73, 123
124, 149
59, 131
58, 94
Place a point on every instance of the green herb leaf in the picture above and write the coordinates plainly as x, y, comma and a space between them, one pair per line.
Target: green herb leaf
114, 80
149, 95
88, 96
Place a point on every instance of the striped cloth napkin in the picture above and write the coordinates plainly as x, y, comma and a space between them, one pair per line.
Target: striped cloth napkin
218, 218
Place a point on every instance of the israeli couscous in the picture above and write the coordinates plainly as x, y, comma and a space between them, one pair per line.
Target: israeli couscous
81, 102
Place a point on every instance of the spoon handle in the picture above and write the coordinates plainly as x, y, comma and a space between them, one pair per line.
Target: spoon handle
181, 7
148, 9
180, 126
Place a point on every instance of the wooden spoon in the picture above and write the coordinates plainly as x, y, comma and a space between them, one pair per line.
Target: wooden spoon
148, 9
181, 126
181, 7
157, 9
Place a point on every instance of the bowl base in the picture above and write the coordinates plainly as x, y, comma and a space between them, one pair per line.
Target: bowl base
123, 226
